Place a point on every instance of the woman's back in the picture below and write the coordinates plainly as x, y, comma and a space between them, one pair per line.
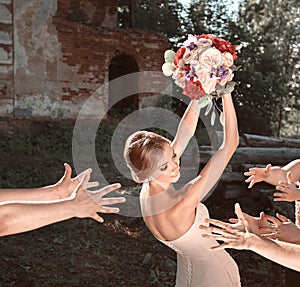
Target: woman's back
165, 222
196, 264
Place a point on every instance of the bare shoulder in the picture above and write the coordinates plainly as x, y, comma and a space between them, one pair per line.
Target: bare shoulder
187, 202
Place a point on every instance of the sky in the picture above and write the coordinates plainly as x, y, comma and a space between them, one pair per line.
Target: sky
186, 2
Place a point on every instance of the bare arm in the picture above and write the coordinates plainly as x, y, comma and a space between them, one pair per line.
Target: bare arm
216, 165
273, 174
286, 254
187, 127
19, 217
62, 189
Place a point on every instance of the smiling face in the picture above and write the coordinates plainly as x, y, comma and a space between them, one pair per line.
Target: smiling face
167, 168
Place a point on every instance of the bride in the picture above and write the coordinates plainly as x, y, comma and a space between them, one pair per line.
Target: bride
173, 216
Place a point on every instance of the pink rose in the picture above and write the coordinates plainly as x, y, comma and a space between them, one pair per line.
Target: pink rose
208, 83
191, 39
227, 79
203, 42
189, 56
179, 75
210, 58
227, 59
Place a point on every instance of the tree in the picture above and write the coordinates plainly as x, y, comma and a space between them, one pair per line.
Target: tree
158, 15
268, 81
270, 33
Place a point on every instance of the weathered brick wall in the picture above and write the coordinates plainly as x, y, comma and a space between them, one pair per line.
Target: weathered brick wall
62, 52
6, 58
100, 13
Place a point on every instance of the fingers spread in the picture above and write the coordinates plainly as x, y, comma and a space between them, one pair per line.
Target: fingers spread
249, 178
112, 200
268, 230
282, 184
86, 172
218, 223
233, 220
289, 177
239, 213
251, 183
248, 173
107, 189
98, 218
274, 220
282, 218
68, 171
105, 209
268, 168
92, 184
279, 198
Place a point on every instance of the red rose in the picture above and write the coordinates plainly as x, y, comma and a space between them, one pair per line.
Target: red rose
220, 44
193, 90
202, 36
225, 46
186, 67
179, 54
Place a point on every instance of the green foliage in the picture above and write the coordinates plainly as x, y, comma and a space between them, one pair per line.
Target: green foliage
270, 33
164, 16
268, 80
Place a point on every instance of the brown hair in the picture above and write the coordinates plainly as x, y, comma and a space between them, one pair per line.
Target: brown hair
137, 151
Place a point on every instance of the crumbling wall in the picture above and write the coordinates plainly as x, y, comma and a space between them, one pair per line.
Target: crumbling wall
6, 58
55, 54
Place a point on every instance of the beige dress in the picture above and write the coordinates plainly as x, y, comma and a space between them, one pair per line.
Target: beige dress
197, 265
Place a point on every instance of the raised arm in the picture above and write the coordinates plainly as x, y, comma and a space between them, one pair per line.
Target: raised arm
187, 127
213, 170
273, 174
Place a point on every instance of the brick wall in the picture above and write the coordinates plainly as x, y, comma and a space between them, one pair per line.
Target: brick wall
6, 58
62, 52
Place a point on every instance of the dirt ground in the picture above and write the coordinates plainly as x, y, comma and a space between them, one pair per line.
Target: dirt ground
82, 252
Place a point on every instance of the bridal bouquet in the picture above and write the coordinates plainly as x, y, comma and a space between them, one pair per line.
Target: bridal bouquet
204, 65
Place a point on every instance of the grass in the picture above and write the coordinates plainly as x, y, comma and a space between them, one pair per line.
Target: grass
82, 252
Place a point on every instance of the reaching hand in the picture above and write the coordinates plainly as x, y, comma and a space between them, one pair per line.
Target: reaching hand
288, 190
255, 223
66, 185
231, 236
87, 204
257, 174
282, 229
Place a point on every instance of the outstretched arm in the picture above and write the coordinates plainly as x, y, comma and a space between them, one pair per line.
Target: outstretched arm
273, 174
187, 127
286, 254
213, 170
24, 216
62, 189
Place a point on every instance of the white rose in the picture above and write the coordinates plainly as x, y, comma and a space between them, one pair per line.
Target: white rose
169, 56
167, 69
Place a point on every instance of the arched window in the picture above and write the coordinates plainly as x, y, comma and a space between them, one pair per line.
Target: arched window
121, 65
